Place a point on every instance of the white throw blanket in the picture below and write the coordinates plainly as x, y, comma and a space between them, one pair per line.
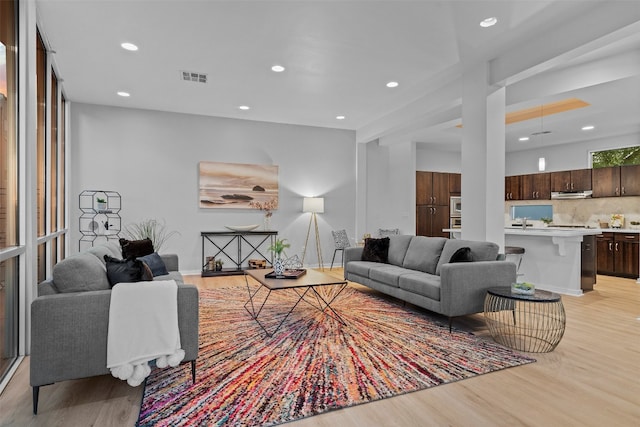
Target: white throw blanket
143, 326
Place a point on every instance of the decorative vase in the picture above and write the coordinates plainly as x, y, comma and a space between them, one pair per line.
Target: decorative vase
101, 206
278, 267
267, 223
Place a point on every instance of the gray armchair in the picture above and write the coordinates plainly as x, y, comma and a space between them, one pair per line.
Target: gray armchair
69, 329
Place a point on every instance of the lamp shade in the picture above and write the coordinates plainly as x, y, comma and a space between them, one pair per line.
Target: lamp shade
313, 204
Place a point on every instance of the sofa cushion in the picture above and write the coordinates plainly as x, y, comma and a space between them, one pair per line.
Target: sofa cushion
136, 248
173, 275
398, 249
424, 284
155, 263
361, 268
99, 252
462, 255
376, 250
114, 247
387, 274
481, 251
80, 273
423, 253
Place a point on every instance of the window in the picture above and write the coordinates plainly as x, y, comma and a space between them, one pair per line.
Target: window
9, 279
616, 157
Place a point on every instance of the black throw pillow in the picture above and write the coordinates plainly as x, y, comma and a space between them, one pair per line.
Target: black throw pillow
376, 250
136, 248
462, 255
126, 270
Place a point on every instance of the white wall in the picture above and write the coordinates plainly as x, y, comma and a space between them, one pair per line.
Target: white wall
151, 158
429, 158
564, 157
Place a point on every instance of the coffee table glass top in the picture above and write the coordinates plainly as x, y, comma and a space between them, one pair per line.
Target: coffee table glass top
311, 278
539, 295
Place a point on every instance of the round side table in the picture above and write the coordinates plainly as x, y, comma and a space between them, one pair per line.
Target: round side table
532, 323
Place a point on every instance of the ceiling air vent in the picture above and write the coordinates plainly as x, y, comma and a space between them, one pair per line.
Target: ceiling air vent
190, 76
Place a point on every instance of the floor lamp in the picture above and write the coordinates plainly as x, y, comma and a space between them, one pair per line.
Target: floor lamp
315, 205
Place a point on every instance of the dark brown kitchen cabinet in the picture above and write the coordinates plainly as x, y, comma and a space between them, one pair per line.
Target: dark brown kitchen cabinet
536, 186
630, 180
573, 180
431, 220
512, 187
616, 181
455, 184
432, 188
618, 254
432, 203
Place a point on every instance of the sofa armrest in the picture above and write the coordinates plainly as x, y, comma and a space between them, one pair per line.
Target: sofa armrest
351, 254
170, 261
69, 333
463, 285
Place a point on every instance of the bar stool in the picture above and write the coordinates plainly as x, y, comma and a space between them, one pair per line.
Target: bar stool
517, 253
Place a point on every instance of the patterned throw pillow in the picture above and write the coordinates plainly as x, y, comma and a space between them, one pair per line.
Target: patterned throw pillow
386, 232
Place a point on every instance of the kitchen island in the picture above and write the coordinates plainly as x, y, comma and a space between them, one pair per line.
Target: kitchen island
553, 256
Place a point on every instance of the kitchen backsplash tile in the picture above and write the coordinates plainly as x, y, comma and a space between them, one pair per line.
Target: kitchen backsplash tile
586, 211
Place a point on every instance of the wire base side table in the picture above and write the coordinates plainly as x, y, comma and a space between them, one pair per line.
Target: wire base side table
532, 323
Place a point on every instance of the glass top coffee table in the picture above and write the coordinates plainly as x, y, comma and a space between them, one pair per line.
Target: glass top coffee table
306, 287
533, 323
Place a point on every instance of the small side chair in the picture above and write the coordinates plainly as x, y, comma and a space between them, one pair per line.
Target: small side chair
341, 241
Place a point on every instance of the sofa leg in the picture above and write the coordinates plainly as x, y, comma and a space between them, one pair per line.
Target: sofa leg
36, 392
450, 323
193, 371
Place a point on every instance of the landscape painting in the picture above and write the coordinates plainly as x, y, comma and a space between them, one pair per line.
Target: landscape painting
237, 185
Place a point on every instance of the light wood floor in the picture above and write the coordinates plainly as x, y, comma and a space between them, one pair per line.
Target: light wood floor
591, 379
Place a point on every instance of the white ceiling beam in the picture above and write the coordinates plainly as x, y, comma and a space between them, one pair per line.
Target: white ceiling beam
600, 26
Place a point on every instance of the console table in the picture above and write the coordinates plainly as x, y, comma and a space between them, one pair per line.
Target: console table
235, 247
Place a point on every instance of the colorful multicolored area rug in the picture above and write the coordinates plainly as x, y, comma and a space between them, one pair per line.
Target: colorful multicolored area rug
313, 364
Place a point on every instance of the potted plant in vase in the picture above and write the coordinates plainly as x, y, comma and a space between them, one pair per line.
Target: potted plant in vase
101, 204
278, 248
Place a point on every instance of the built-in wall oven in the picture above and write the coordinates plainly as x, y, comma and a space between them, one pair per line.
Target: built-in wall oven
455, 212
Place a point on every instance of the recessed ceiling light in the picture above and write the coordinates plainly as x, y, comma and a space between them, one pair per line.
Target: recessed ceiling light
524, 138
124, 94
277, 68
590, 127
392, 84
489, 22
129, 46
244, 107
340, 117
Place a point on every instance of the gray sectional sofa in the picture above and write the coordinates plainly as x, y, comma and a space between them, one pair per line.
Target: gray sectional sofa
418, 271
70, 317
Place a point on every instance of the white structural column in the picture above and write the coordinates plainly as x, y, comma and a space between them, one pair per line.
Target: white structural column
483, 157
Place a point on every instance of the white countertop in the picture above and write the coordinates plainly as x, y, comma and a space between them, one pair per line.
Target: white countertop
555, 231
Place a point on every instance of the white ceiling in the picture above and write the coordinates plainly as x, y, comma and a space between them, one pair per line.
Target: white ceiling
338, 57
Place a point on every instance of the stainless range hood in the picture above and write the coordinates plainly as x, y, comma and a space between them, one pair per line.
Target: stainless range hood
571, 194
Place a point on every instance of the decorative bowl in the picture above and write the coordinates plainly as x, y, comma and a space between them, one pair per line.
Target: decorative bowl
242, 227
523, 288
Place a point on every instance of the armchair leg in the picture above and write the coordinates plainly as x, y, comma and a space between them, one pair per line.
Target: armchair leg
332, 259
193, 371
36, 392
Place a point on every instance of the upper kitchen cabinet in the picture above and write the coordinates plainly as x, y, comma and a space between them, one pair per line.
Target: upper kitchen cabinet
455, 184
432, 188
574, 180
512, 187
616, 181
536, 186
630, 180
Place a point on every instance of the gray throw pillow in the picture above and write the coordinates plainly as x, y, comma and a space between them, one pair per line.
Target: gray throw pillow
80, 273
